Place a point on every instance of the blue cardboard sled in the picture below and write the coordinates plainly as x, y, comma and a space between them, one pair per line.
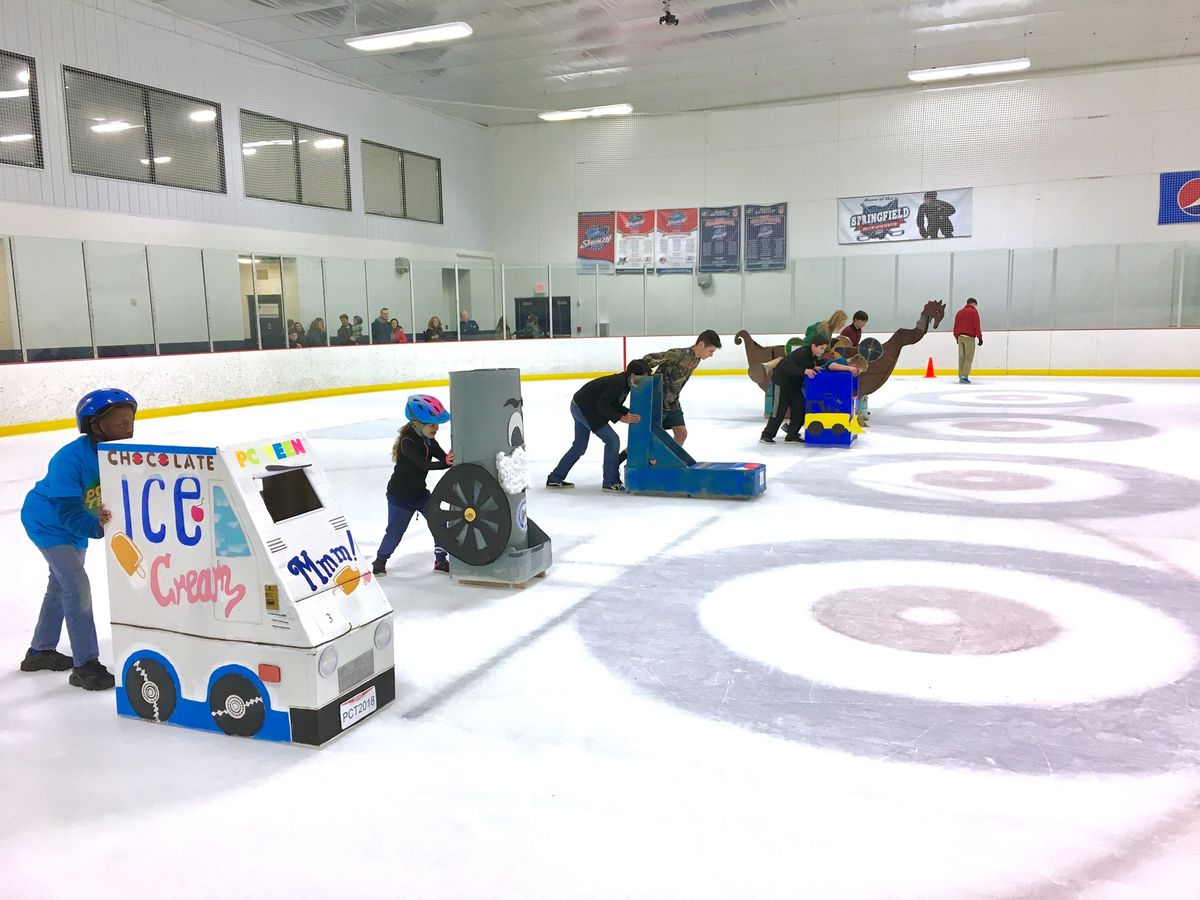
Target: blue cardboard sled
658, 465
831, 409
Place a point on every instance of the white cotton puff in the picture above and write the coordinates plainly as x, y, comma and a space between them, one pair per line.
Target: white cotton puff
513, 471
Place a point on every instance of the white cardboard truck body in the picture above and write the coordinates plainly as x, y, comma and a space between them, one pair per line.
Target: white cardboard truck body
240, 601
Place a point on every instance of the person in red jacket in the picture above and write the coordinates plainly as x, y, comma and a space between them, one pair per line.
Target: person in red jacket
967, 331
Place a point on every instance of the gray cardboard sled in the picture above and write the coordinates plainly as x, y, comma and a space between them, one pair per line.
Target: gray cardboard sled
478, 511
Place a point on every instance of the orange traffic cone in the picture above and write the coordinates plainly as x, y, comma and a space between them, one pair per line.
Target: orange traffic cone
929, 369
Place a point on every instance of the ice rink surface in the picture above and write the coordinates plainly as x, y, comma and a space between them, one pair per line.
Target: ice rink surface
960, 659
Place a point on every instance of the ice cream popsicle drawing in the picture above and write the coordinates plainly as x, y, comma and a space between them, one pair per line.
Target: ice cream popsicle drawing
128, 555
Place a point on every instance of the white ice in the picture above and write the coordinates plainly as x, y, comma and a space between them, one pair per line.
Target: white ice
530, 753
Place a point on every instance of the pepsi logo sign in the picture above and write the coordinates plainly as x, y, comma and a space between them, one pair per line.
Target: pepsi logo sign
1188, 197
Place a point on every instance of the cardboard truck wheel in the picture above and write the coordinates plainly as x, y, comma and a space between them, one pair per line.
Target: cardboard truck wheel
237, 706
151, 690
469, 515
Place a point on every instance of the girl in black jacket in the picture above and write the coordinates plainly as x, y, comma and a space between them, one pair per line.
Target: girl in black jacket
416, 453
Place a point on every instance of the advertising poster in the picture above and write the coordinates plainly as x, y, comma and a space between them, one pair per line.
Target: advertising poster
677, 241
595, 242
1178, 197
917, 216
720, 238
635, 241
766, 237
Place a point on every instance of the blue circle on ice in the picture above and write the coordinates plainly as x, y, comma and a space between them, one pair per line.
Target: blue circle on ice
654, 639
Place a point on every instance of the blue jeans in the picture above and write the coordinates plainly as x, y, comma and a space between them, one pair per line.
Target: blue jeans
583, 431
68, 597
399, 517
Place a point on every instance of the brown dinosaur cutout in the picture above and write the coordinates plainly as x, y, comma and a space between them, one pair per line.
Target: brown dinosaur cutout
878, 371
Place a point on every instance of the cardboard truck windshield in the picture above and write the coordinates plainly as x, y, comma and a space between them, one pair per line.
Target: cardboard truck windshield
240, 600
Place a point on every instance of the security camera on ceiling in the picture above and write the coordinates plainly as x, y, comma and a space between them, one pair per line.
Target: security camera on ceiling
667, 18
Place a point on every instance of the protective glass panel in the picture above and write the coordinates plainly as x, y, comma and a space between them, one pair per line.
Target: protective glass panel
10, 328
819, 291
1085, 287
478, 309
120, 293
52, 298
1190, 286
623, 303
720, 305
186, 135
346, 288
1145, 291
262, 290
304, 299
228, 312
177, 286
871, 286
1032, 287
921, 277
20, 132
106, 124
982, 274
433, 288
769, 307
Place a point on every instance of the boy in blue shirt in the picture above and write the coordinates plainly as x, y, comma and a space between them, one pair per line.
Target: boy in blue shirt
61, 512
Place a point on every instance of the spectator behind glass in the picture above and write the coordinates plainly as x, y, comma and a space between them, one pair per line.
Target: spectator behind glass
502, 329
467, 327
296, 336
317, 335
356, 331
398, 335
381, 328
434, 331
343, 332
531, 329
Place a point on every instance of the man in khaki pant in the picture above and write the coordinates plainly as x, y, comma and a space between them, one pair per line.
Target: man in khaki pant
967, 331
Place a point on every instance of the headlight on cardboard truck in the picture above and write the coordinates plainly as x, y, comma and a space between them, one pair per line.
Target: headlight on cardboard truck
383, 633
327, 663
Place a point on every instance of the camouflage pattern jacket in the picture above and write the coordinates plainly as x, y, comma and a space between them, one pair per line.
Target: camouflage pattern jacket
676, 367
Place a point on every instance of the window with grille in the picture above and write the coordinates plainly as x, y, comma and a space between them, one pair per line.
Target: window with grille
119, 129
401, 183
20, 131
294, 163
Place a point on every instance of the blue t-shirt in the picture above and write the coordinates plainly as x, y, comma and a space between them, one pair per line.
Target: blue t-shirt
64, 507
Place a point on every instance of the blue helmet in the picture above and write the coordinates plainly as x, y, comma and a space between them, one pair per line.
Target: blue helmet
426, 409
96, 402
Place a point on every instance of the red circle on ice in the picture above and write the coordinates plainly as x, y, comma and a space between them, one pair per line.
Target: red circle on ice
1188, 197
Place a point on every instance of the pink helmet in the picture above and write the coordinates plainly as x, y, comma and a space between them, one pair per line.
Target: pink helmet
426, 409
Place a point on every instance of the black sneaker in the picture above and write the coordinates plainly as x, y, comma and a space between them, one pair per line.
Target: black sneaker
793, 440
92, 676
558, 483
379, 567
615, 488
766, 440
441, 565
45, 661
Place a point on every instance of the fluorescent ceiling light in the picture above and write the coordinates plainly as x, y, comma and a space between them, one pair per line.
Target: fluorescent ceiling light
590, 112
396, 40
328, 143
945, 73
203, 115
158, 160
20, 92
15, 138
23, 76
106, 127
248, 151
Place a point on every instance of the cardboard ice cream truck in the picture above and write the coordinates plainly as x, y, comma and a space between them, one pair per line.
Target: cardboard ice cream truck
241, 602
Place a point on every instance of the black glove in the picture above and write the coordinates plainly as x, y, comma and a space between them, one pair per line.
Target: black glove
981, 342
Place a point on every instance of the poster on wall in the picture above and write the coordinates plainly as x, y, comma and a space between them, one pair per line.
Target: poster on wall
766, 237
916, 216
720, 238
677, 241
1178, 197
597, 250
635, 240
